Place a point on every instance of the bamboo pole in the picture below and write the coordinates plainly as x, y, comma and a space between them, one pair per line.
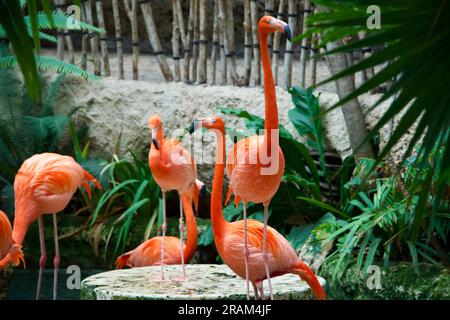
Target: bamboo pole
227, 33
84, 39
247, 43
176, 42
118, 34
269, 11
256, 72
93, 39
216, 47
313, 61
152, 32
304, 44
132, 15
229, 22
188, 46
289, 52
69, 40
203, 42
181, 23
276, 45
195, 43
60, 37
223, 59
103, 37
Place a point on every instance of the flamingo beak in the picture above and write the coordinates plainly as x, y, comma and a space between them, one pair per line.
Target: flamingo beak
287, 32
194, 126
154, 138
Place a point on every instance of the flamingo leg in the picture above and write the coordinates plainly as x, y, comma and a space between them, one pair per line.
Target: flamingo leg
57, 258
181, 226
255, 289
246, 253
265, 257
164, 227
259, 285
43, 258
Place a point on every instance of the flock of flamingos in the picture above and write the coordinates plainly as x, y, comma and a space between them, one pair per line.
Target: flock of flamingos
45, 184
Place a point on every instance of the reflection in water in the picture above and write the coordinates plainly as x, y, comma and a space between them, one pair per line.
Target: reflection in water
23, 284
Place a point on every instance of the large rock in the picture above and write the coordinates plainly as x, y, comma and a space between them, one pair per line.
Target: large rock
113, 108
205, 282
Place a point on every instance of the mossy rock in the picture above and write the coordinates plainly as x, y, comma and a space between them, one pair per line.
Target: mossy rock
398, 282
205, 282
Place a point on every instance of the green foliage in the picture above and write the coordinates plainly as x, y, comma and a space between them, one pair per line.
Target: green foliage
23, 32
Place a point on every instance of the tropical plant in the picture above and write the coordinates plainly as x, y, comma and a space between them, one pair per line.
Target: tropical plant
24, 32
414, 35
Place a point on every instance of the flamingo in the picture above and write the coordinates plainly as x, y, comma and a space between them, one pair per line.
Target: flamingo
173, 169
149, 252
10, 252
258, 180
228, 237
44, 184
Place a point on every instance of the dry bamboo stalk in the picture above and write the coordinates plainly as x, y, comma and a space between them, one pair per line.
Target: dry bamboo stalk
247, 43
103, 37
93, 39
256, 72
269, 11
223, 58
181, 23
195, 43
289, 52
313, 61
229, 54
203, 50
304, 45
118, 33
175, 42
69, 41
188, 46
132, 15
229, 18
84, 39
216, 48
276, 45
152, 32
60, 37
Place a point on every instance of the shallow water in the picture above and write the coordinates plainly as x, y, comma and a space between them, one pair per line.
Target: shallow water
23, 284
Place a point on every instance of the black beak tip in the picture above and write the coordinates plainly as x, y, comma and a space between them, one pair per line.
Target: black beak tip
192, 128
155, 143
287, 32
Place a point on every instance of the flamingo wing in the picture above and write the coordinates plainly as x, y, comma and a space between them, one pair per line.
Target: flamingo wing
5, 235
149, 252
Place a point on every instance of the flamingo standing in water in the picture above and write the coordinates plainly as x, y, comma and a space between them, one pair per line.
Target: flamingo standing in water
256, 164
173, 169
10, 253
228, 237
44, 184
149, 252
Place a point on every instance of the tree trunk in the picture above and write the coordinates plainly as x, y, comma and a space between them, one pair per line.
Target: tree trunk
118, 34
103, 37
152, 32
353, 115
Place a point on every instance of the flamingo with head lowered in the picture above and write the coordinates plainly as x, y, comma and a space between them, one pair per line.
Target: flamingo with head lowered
255, 166
44, 184
228, 237
10, 252
173, 169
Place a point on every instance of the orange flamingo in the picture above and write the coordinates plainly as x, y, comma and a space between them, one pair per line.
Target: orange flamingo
256, 164
173, 169
10, 253
44, 184
228, 237
149, 252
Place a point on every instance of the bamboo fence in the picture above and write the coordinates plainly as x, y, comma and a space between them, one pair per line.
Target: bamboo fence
203, 43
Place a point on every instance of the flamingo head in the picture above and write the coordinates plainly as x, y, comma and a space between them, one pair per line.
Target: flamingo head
208, 123
155, 123
271, 24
